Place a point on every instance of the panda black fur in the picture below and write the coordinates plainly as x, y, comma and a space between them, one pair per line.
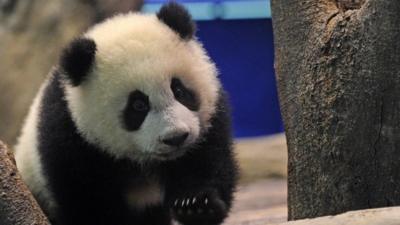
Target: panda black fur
131, 130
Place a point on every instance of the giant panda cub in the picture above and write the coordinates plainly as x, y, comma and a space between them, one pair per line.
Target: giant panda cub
131, 127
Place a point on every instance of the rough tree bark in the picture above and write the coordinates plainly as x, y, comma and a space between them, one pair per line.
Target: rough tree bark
338, 73
17, 206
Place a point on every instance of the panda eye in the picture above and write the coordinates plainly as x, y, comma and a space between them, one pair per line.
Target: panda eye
140, 106
136, 110
179, 93
183, 95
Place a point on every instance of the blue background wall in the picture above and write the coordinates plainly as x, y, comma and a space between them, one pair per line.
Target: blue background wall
239, 39
243, 52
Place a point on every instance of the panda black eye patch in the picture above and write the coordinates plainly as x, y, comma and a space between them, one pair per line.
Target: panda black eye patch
183, 95
136, 110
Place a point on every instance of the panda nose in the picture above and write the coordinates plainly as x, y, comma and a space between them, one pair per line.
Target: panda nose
176, 140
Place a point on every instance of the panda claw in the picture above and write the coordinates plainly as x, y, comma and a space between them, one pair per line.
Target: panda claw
202, 208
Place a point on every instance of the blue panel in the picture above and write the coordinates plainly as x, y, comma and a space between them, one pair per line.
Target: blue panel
198, 10
219, 9
243, 51
246, 9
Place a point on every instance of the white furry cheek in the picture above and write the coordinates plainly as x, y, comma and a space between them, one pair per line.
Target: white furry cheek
195, 131
147, 136
97, 118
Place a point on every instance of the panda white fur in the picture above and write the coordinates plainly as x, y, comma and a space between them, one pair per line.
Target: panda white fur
132, 127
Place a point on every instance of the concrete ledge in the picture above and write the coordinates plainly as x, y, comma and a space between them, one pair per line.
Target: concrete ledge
381, 216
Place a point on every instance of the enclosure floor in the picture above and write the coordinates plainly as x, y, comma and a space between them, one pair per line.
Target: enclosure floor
260, 203
262, 157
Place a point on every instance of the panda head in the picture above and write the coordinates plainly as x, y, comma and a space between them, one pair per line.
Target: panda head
141, 86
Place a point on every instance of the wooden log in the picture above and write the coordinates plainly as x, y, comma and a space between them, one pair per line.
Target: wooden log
17, 205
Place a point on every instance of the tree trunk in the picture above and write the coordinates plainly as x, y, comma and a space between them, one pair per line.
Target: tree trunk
17, 205
338, 73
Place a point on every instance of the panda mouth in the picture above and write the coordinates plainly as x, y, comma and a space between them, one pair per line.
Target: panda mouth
169, 155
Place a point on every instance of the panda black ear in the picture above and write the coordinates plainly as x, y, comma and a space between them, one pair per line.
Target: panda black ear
178, 19
77, 59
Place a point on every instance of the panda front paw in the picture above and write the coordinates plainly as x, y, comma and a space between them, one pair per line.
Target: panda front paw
204, 208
